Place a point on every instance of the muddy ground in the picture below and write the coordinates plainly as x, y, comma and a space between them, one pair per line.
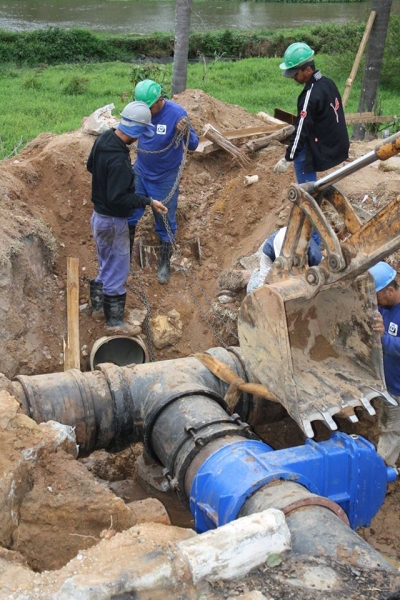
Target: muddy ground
45, 211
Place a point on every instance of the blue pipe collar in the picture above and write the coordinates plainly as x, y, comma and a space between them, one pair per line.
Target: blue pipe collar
346, 469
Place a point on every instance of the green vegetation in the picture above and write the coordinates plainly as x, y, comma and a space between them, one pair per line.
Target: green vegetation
56, 98
54, 46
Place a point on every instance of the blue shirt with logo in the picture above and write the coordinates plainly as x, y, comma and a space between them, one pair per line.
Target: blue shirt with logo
163, 164
391, 348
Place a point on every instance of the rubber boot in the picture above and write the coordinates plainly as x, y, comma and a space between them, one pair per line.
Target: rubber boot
132, 229
114, 307
96, 297
164, 262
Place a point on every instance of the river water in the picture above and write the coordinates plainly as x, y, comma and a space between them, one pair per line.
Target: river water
141, 16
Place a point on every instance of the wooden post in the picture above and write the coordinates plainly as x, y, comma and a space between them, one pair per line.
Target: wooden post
71, 348
357, 60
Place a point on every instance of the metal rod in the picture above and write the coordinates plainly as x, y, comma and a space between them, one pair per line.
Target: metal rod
382, 151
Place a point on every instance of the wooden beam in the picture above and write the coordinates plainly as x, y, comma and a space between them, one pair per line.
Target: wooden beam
263, 142
367, 117
357, 60
71, 348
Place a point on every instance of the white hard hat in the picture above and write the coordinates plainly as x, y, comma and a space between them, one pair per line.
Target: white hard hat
136, 120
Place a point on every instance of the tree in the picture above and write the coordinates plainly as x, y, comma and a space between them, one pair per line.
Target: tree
373, 61
183, 9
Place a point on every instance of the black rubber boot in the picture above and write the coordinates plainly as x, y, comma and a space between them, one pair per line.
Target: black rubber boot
164, 262
114, 307
96, 297
132, 229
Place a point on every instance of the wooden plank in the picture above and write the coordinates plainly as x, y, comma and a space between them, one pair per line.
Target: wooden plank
353, 118
71, 348
357, 60
286, 117
205, 145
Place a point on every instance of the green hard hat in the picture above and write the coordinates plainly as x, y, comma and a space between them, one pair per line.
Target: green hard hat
295, 55
148, 91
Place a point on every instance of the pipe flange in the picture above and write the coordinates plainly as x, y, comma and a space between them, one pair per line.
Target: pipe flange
317, 501
162, 402
189, 450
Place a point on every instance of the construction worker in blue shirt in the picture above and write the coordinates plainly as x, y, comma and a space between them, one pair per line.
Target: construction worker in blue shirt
157, 166
387, 324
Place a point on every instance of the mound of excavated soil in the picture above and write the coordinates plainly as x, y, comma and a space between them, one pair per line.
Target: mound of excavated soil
45, 211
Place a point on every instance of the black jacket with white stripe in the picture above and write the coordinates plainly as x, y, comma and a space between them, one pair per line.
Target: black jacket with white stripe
320, 126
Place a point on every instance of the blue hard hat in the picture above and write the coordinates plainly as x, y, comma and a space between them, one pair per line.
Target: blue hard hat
383, 274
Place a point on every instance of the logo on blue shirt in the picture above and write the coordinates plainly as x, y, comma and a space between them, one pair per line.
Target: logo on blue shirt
393, 327
161, 129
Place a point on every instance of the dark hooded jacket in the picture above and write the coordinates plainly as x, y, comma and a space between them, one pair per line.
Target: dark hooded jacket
113, 190
320, 126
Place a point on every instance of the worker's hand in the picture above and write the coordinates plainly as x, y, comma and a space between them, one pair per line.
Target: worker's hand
158, 206
281, 166
182, 123
378, 324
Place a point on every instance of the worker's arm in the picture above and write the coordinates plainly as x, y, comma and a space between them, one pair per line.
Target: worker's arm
390, 343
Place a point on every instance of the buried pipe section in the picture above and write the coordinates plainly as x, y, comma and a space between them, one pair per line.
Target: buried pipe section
113, 407
212, 459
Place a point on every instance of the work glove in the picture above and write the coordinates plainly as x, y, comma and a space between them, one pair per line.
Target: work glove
281, 166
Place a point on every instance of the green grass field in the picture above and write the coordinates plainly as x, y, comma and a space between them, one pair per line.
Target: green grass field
56, 98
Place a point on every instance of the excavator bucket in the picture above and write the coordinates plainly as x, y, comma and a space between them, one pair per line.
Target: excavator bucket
306, 334
318, 356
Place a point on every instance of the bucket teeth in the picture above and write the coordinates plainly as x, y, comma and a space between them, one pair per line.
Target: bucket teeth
329, 421
353, 418
385, 394
368, 406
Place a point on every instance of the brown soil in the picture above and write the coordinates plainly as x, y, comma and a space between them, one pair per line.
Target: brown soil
45, 211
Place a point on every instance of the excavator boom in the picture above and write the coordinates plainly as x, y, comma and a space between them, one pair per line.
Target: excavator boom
307, 332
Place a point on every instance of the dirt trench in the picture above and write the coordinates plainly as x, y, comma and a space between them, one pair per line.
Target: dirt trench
57, 505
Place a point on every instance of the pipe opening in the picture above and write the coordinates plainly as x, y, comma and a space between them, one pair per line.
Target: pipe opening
119, 350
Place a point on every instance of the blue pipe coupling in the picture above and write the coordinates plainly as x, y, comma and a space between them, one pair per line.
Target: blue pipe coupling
345, 469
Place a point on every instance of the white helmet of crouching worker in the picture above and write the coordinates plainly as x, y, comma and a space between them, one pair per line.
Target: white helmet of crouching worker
136, 120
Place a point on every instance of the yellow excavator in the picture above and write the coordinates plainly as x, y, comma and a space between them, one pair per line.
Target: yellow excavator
307, 332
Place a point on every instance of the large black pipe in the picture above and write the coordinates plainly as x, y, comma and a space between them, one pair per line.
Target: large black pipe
177, 407
114, 407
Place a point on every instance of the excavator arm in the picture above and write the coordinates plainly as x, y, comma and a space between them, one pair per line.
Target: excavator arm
307, 332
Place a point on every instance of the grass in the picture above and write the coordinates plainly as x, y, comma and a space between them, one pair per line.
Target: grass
56, 99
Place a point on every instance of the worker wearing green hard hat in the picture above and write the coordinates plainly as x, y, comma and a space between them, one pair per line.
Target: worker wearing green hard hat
296, 54
320, 140
158, 166
148, 91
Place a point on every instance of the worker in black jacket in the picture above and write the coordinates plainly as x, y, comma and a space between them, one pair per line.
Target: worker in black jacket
320, 140
114, 198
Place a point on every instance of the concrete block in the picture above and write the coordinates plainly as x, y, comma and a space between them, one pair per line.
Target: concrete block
231, 551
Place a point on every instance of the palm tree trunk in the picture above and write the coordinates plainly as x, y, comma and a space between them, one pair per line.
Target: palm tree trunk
373, 61
183, 9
